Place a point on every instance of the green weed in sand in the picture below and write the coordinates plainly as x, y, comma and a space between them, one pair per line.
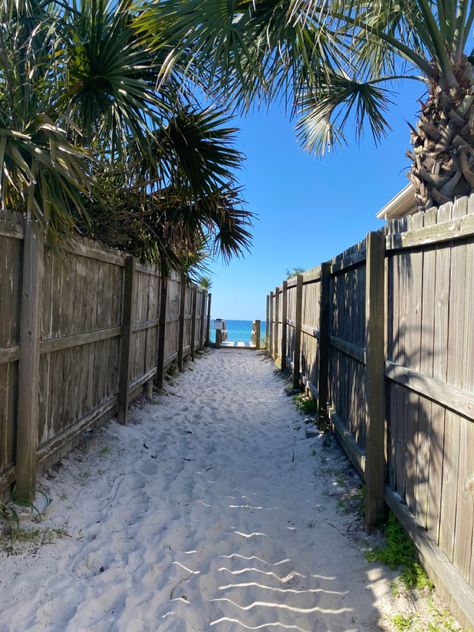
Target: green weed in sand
398, 552
21, 540
402, 622
306, 404
435, 619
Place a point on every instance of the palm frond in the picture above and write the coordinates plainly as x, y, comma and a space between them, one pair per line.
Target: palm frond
195, 150
325, 115
110, 80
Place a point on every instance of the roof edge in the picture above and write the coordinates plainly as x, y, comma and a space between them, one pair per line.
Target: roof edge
400, 205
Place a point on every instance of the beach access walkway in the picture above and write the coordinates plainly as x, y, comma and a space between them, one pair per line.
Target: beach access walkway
213, 509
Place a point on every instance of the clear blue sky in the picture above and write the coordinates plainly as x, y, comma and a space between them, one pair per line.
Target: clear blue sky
309, 209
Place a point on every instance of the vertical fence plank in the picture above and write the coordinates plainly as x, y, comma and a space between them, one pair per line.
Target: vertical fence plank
284, 318
375, 330
193, 322
126, 349
323, 368
270, 327
203, 319
298, 325
28, 386
182, 302
257, 334
208, 330
160, 364
275, 324
267, 321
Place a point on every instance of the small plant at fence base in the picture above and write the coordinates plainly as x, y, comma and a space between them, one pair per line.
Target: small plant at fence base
352, 501
9, 520
306, 404
13, 537
436, 619
399, 552
309, 406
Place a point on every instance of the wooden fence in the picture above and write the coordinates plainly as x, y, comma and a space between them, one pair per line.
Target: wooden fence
79, 336
383, 338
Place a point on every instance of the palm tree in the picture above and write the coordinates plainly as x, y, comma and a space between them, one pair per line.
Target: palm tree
205, 282
42, 172
290, 273
91, 142
336, 63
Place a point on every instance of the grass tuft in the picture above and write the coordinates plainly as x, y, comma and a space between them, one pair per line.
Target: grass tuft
352, 500
402, 622
306, 404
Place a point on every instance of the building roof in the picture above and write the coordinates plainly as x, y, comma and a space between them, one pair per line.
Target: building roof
399, 206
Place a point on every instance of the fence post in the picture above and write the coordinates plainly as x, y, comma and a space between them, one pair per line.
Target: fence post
126, 348
323, 369
182, 302
270, 325
28, 379
257, 334
375, 371
208, 326
193, 321
203, 319
284, 317
160, 364
275, 325
267, 322
298, 325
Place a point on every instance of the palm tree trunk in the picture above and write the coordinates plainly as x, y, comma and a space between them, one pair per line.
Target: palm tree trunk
443, 143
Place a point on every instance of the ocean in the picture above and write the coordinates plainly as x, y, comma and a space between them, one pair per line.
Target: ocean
238, 330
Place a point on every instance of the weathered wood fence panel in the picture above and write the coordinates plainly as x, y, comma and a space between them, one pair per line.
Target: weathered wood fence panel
402, 406
188, 318
172, 319
310, 329
11, 235
347, 341
81, 316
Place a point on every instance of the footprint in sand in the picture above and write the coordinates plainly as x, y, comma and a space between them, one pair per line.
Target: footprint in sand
150, 469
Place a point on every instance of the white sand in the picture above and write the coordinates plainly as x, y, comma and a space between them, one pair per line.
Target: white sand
208, 511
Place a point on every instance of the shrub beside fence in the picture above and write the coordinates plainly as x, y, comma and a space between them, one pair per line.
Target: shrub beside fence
383, 338
79, 336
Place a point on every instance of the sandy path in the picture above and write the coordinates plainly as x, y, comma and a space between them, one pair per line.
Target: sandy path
207, 512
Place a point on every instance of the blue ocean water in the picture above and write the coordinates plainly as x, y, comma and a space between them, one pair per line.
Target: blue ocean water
238, 330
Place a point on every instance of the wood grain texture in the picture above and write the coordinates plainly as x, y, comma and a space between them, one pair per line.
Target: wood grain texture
29, 365
126, 342
375, 424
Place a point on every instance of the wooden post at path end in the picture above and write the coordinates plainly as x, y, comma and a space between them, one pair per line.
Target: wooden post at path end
257, 334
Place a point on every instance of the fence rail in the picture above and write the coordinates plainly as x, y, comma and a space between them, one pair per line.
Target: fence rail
383, 337
79, 335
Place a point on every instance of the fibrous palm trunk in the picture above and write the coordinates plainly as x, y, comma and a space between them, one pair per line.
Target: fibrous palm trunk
443, 143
